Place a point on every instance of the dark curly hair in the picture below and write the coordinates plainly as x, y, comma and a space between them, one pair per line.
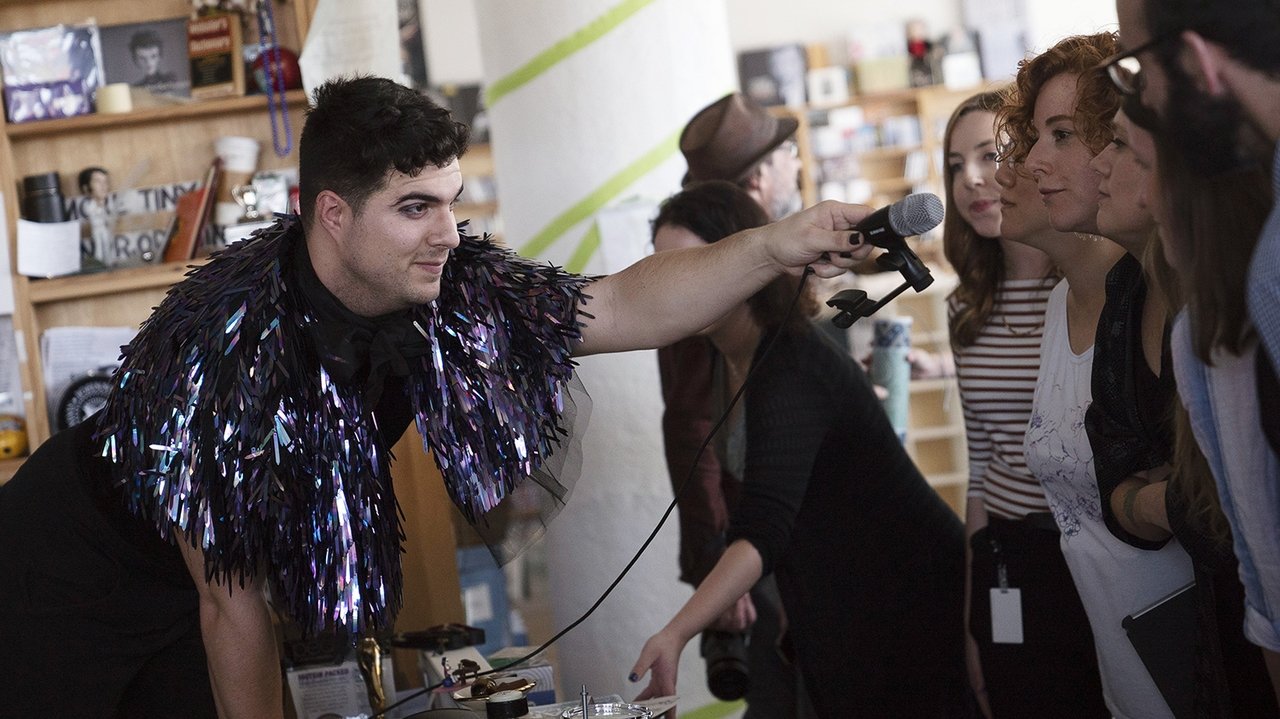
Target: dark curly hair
1096, 97
715, 209
359, 129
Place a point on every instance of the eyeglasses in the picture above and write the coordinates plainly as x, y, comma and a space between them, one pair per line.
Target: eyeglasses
1125, 69
790, 147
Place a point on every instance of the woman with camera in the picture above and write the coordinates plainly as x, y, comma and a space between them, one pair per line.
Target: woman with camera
868, 558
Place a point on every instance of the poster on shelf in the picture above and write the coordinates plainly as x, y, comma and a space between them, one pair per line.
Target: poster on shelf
133, 201
774, 76
50, 72
141, 219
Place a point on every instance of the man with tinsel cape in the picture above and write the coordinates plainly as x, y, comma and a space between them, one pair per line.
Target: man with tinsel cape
244, 450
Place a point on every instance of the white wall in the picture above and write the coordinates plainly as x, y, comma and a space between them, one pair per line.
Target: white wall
762, 23
453, 47
1050, 22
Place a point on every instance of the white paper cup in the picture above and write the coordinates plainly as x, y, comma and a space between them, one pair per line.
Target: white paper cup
239, 154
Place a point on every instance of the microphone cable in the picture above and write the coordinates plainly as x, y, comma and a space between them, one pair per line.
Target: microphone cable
746, 382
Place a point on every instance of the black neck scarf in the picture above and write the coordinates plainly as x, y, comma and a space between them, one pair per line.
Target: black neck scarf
355, 349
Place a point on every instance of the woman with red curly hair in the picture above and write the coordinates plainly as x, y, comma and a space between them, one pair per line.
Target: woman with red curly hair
1061, 120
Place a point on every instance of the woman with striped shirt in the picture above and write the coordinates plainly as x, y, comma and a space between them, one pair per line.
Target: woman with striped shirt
996, 318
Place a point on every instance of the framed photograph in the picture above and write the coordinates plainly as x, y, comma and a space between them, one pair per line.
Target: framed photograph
151, 55
829, 85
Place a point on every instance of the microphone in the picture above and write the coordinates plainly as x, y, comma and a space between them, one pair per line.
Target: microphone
888, 227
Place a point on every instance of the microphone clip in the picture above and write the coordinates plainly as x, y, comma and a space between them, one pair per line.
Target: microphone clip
853, 305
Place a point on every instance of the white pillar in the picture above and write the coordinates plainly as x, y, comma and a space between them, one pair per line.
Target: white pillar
586, 102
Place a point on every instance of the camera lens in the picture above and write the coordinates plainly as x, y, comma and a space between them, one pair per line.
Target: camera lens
726, 655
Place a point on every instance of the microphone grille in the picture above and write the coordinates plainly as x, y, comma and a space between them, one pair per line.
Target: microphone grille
915, 214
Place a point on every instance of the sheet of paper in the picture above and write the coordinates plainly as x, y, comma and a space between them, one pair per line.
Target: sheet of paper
347, 38
625, 234
48, 249
69, 353
6, 274
11, 397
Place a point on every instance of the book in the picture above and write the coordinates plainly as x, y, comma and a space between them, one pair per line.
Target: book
194, 210
1163, 634
215, 56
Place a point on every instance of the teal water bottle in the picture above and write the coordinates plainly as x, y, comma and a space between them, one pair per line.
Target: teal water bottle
891, 370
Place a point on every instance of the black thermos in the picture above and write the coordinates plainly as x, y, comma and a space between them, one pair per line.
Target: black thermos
42, 198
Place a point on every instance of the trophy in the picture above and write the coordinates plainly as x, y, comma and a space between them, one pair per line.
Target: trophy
246, 196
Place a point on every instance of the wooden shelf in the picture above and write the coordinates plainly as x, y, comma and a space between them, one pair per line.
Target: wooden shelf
9, 467
148, 116
882, 97
933, 384
471, 209
948, 479
885, 153
110, 282
894, 184
929, 434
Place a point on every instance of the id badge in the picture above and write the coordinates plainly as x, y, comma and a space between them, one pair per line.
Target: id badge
1006, 615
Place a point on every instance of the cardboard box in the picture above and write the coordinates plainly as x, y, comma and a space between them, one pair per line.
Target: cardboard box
334, 689
883, 74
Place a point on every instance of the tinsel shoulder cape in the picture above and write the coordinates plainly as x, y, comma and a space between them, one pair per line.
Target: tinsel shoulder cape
225, 428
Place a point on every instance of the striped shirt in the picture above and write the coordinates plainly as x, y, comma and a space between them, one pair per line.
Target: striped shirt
997, 378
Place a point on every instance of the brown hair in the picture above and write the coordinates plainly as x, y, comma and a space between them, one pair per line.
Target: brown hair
715, 209
977, 261
1096, 97
1213, 222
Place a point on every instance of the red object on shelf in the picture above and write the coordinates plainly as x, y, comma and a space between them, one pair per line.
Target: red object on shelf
288, 68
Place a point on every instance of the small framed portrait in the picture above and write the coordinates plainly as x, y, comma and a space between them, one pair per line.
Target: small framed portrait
150, 55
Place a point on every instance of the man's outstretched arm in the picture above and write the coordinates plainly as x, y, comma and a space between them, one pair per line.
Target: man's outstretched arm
671, 295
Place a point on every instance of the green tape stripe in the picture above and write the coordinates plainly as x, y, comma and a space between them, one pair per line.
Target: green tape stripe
594, 202
715, 711
548, 58
585, 250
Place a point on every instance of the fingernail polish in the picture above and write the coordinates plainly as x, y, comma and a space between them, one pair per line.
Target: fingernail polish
632, 677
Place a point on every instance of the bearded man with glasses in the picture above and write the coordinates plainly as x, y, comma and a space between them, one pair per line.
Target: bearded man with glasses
1208, 75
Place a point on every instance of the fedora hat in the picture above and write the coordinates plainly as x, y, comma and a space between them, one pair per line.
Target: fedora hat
729, 136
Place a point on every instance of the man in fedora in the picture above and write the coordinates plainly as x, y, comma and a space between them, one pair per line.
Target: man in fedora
735, 140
